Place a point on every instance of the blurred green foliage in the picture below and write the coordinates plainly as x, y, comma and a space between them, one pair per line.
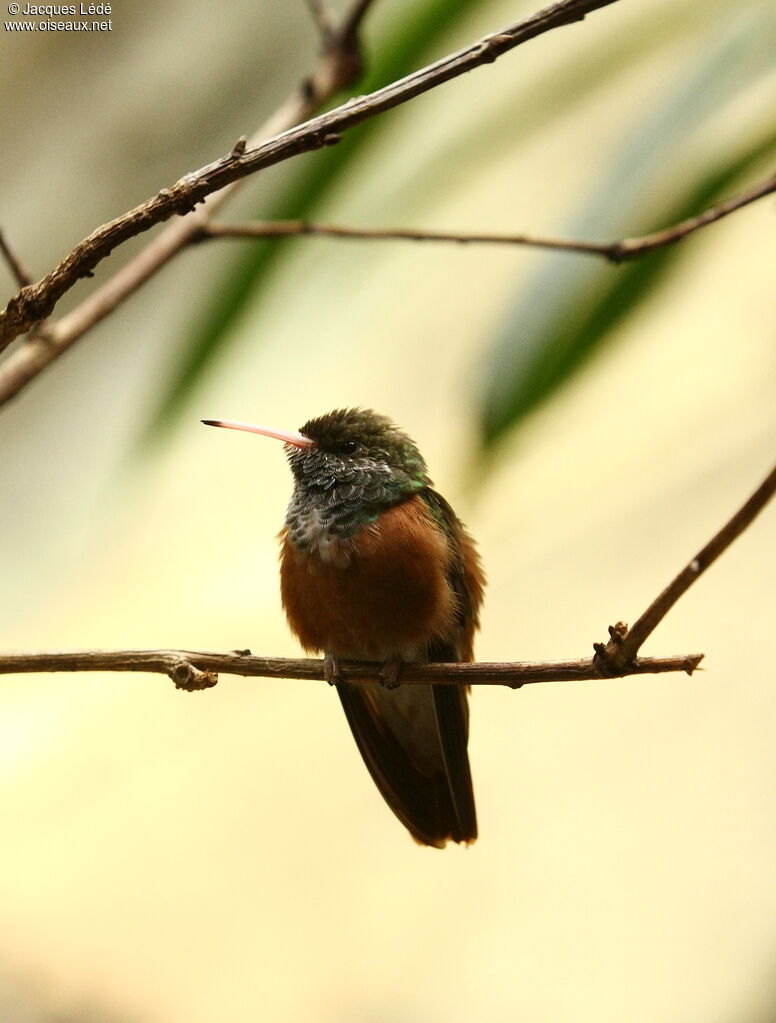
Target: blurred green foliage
247, 272
575, 304
527, 367
572, 305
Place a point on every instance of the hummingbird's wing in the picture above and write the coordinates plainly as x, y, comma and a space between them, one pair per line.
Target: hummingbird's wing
466, 579
451, 704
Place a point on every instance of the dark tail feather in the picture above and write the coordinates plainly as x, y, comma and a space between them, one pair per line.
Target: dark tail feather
430, 791
451, 707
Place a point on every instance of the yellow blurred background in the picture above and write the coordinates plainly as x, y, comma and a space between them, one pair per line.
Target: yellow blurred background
225, 855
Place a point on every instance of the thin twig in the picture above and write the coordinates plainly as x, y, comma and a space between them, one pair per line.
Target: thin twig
354, 18
615, 252
38, 300
192, 669
629, 248
625, 643
321, 15
40, 332
336, 69
12, 257
291, 228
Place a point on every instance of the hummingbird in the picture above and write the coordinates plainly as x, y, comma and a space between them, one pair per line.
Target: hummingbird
376, 566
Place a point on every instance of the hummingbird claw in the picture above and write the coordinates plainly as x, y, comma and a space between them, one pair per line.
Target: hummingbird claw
242, 653
331, 670
389, 676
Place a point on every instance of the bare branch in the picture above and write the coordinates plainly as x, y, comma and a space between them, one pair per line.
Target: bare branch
291, 228
625, 644
615, 252
13, 259
321, 15
38, 300
192, 669
355, 17
630, 248
336, 70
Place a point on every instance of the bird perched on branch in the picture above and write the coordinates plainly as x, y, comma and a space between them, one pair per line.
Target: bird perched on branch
376, 566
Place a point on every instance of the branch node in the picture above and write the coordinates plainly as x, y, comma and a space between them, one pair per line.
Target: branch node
191, 679
691, 664
202, 234
492, 48
617, 252
307, 90
618, 632
612, 659
183, 193
239, 148
40, 333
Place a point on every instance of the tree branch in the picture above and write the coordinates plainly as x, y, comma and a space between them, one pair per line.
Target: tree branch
355, 17
37, 301
18, 270
192, 669
629, 248
624, 644
321, 15
338, 67
614, 252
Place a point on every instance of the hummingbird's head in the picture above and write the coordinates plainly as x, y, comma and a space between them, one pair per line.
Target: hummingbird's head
358, 447
348, 464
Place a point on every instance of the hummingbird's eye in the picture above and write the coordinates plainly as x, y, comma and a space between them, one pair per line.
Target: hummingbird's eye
349, 447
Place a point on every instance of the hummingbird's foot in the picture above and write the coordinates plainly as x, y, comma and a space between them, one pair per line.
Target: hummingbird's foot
331, 670
241, 653
389, 676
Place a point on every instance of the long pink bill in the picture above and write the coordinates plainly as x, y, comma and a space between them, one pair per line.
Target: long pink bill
287, 436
